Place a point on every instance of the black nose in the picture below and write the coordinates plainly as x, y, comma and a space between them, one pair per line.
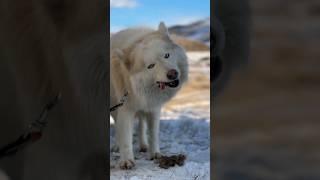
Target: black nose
172, 74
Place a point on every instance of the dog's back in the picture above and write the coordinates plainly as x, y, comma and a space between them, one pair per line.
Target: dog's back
122, 40
125, 38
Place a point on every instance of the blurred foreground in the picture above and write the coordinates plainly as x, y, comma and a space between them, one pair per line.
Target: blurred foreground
267, 119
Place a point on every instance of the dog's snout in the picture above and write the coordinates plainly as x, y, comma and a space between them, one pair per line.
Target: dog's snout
172, 74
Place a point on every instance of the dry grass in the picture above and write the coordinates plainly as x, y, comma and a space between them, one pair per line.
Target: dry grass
190, 45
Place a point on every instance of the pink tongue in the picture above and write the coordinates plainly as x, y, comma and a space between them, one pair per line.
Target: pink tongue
162, 85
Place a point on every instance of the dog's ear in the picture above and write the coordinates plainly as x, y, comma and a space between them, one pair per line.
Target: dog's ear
163, 29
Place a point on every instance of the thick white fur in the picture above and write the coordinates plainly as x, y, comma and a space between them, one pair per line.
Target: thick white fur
132, 51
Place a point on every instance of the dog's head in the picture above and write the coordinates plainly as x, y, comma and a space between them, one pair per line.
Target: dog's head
156, 63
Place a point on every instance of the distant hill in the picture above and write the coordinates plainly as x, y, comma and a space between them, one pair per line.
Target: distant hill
197, 31
190, 45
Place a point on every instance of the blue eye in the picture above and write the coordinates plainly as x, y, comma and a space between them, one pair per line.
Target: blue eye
151, 66
167, 55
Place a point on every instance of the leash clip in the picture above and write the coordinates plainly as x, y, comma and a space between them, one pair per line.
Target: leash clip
121, 102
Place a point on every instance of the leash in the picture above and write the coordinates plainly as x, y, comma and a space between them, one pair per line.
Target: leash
32, 134
121, 103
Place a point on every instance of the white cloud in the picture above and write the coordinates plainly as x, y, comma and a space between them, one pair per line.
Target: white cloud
123, 3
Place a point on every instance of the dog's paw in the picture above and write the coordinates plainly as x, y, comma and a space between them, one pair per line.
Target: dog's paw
143, 148
127, 164
156, 155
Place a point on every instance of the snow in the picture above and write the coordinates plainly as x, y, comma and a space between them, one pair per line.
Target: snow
200, 34
180, 132
184, 129
199, 62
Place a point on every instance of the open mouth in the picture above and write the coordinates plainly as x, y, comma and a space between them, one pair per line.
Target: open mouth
172, 84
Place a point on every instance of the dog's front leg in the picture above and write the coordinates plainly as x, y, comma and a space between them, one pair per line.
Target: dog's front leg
124, 129
153, 125
143, 135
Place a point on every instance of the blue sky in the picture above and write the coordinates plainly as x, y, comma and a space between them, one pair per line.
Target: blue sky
127, 13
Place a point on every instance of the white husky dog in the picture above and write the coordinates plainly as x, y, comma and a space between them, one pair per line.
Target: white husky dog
149, 66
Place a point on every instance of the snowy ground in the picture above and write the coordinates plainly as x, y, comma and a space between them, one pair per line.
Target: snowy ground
184, 128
